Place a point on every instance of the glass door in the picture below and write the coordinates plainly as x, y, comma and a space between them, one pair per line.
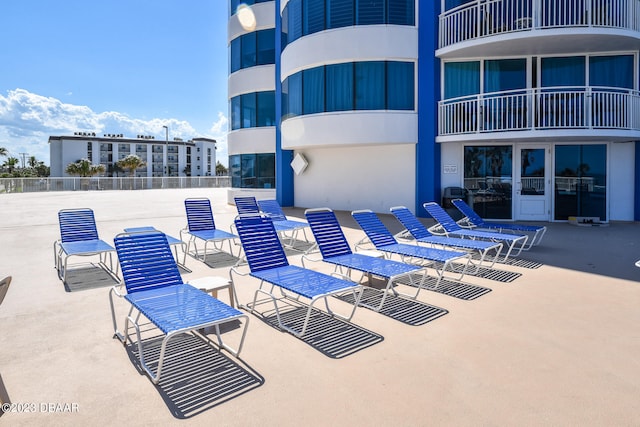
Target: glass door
533, 179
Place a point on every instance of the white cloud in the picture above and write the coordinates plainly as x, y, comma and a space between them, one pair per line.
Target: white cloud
28, 119
218, 132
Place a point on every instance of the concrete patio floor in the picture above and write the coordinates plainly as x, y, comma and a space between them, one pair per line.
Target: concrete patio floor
558, 345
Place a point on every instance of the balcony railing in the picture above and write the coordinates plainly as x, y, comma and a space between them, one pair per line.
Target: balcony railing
482, 18
541, 109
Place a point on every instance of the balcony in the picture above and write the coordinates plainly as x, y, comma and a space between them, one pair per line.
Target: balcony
505, 26
582, 112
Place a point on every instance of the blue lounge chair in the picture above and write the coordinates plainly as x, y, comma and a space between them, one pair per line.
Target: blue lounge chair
246, 205
272, 209
335, 250
156, 291
201, 226
79, 237
268, 263
450, 227
472, 220
173, 242
438, 259
421, 234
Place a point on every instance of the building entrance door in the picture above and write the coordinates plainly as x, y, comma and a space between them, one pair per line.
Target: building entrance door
532, 195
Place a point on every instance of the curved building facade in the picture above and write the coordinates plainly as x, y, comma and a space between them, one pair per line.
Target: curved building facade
251, 94
531, 106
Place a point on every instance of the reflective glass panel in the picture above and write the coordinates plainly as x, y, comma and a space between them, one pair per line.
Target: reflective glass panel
488, 180
580, 181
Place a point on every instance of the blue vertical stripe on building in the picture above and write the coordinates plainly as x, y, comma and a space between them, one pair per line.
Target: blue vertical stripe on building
284, 173
427, 151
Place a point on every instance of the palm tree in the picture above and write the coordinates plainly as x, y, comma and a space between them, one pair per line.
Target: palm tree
4, 152
11, 163
131, 163
84, 169
33, 162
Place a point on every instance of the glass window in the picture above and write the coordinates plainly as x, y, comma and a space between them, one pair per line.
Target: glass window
284, 99
313, 90
294, 19
370, 12
252, 170
266, 42
611, 71
339, 90
450, 4
580, 181
236, 113
295, 95
400, 85
505, 74
235, 171
488, 178
461, 79
248, 106
284, 28
563, 71
313, 16
248, 170
266, 170
236, 54
401, 12
266, 108
340, 13
248, 47
370, 84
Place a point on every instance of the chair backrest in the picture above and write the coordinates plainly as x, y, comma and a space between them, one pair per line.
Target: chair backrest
260, 242
4, 287
199, 214
146, 261
468, 211
374, 228
327, 232
272, 208
440, 215
77, 225
246, 205
410, 222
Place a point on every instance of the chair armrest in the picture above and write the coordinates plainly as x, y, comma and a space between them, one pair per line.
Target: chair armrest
308, 257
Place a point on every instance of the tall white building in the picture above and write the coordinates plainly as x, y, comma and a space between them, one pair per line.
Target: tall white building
530, 107
196, 157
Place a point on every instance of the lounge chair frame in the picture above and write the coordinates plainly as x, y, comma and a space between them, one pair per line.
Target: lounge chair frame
447, 226
472, 220
287, 229
335, 250
155, 290
485, 250
440, 260
268, 263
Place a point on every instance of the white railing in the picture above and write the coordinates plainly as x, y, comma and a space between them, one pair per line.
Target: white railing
541, 109
27, 185
483, 18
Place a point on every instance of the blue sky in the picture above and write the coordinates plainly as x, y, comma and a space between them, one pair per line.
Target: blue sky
112, 66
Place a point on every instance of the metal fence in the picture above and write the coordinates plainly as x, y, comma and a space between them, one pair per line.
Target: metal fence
29, 185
